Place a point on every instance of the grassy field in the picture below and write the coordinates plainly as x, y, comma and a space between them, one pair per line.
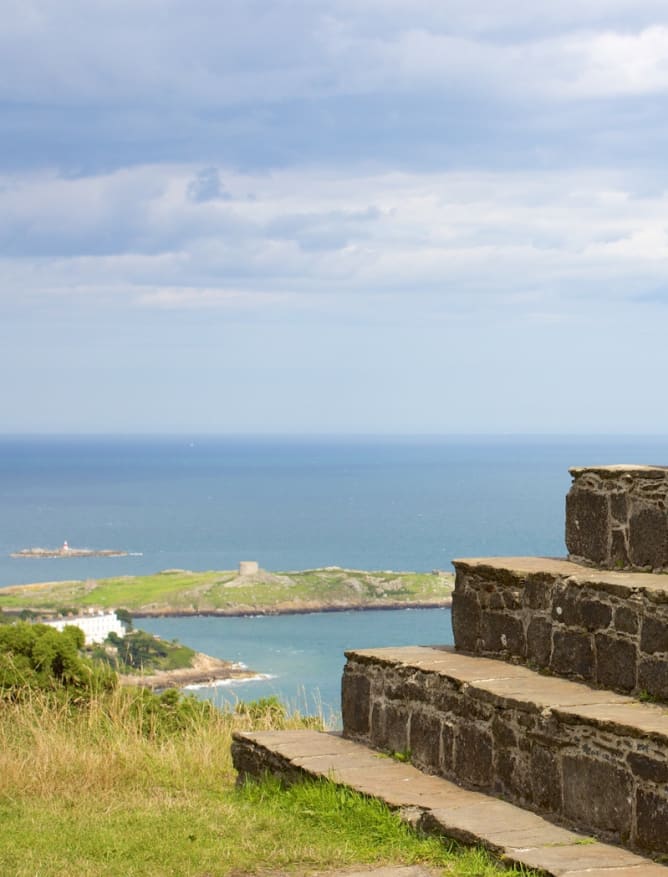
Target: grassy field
99, 793
182, 591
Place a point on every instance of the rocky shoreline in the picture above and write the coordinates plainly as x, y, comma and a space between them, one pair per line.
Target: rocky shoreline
301, 608
204, 670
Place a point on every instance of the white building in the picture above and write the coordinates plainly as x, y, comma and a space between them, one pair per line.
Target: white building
96, 627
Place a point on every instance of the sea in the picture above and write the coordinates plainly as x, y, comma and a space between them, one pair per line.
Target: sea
201, 503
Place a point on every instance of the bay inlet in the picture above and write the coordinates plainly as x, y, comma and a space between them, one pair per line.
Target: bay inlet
301, 656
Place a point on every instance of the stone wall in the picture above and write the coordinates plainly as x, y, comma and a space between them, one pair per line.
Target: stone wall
608, 629
575, 770
617, 517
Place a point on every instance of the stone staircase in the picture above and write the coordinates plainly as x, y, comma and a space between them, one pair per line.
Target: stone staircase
543, 735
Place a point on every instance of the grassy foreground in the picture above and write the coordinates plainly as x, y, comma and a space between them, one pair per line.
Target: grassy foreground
102, 791
185, 592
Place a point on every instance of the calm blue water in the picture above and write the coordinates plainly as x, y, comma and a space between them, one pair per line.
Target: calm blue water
290, 504
410, 504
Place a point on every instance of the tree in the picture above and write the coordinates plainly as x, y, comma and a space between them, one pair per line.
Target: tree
125, 618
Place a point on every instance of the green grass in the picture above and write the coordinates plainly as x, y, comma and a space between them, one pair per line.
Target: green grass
90, 792
184, 591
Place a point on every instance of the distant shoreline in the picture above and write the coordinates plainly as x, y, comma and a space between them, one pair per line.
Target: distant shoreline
445, 603
205, 670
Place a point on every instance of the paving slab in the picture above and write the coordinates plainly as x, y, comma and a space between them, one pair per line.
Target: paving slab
514, 835
631, 580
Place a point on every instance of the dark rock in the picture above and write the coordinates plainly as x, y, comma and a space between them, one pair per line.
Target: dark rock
572, 654
502, 633
545, 779
538, 592
654, 634
651, 821
425, 740
596, 793
595, 615
619, 508
647, 768
587, 524
653, 677
616, 662
465, 619
648, 537
355, 702
539, 641
473, 756
626, 620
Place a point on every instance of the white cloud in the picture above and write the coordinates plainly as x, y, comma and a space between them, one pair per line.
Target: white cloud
314, 240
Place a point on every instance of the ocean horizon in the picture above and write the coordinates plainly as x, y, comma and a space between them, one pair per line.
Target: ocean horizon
201, 503
207, 502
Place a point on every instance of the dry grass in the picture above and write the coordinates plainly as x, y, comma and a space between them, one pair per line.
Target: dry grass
102, 792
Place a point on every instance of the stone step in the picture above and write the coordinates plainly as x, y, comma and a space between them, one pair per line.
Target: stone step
606, 628
436, 805
594, 760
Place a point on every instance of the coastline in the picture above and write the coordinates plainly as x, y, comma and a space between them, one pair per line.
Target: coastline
204, 670
292, 609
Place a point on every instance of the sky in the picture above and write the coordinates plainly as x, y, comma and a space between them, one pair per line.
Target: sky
351, 216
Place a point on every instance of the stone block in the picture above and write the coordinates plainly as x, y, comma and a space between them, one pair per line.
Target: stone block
355, 702
538, 592
616, 662
597, 793
566, 606
626, 620
654, 634
502, 633
653, 677
473, 756
572, 654
539, 641
647, 768
425, 740
651, 821
648, 538
587, 524
466, 616
545, 780
595, 614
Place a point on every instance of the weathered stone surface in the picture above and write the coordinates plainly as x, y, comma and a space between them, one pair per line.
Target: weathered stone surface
653, 678
466, 621
588, 524
654, 636
648, 538
473, 756
616, 662
601, 626
652, 820
579, 754
572, 654
355, 704
441, 807
597, 793
617, 516
425, 739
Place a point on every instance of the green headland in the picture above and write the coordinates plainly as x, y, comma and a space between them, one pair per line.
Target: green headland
182, 592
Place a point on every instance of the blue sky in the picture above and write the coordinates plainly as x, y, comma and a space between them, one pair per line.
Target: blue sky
352, 216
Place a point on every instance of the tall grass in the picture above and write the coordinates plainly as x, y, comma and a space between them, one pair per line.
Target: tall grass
118, 787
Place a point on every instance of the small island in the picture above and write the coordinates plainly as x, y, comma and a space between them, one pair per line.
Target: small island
66, 551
